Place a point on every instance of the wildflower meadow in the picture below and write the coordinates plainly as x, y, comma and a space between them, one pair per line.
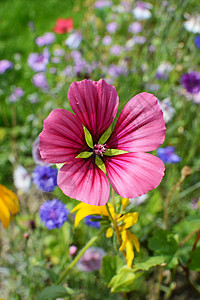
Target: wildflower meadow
100, 150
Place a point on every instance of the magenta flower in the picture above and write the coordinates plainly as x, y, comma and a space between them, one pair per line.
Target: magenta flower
121, 155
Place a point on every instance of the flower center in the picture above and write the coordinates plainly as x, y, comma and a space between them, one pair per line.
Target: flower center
99, 149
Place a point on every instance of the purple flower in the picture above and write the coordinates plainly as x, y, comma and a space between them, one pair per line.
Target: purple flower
16, 94
191, 82
112, 27
195, 204
91, 259
167, 155
163, 70
115, 71
5, 65
90, 222
46, 39
197, 41
135, 27
103, 3
107, 40
59, 52
38, 61
40, 81
45, 177
74, 40
53, 213
116, 50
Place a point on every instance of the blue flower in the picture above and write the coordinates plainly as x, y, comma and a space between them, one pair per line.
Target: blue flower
45, 178
197, 41
91, 223
53, 213
168, 156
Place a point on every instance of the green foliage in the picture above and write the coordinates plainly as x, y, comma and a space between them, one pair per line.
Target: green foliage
112, 152
195, 260
84, 154
110, 266
163, 243
53, 292
149, 262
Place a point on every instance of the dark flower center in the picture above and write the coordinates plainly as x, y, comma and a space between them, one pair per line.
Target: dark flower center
99, 149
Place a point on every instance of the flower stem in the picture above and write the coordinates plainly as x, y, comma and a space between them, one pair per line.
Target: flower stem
189, 236
79, 255
116, 228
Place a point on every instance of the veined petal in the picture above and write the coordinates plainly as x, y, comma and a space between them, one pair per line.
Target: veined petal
95, 105
134, 174
81, 179
140, 126
62, 137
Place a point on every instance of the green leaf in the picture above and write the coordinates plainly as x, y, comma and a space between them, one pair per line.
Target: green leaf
88, 137
163, 243
148, 263
84, 154
59, 166
113, 152
125, 281
53, 292
99, 162
105, 135
109, 267
195, 260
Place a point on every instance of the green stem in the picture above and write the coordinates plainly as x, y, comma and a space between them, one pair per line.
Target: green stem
79, 255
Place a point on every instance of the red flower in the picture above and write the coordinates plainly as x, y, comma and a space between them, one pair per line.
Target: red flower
63, 25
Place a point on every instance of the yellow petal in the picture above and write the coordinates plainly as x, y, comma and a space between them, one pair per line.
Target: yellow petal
129, 253
10, 199
4, 214
128, 220
124, 240
134, 240
125, 202
109, 232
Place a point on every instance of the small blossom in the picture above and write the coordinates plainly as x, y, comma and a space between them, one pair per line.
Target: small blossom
63, 25
112, 27
59, 52
9, 205
53, 214
16, 94
116, 50
40, 81
141, 11
115, 71
39, 61
46, 39
107, 40
195, 204
138, 200
92, 223
167, 155
191, 82
135, 27
163, 70
167, 109
5, 65
192, 24
91, 259
72, 250
22, 179
103, 3
74, 40
45, 178
197, 41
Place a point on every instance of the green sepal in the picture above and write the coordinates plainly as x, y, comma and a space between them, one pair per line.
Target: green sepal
113, 152
84, 154
105, 136
99, 162
88, 137
59, 166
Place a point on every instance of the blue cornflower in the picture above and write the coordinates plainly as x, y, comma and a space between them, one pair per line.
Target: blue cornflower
197, 41
45, 178
91, 223
168, 156
53, 213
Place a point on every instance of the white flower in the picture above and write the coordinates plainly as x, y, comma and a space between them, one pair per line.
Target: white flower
141, 11
168, 110
74, 40
138, 200
193, 24
22, 180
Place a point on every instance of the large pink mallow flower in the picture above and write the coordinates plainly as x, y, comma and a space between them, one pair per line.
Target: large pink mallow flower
119, 158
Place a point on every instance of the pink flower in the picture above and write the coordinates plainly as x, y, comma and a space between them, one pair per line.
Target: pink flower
139, 128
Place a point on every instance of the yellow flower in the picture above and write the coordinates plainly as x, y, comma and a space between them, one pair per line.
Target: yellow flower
9, 205
122, 220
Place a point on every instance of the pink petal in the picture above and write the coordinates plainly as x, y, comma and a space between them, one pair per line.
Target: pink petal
95, 105
62, 137
134, 174
140, 126
84, 181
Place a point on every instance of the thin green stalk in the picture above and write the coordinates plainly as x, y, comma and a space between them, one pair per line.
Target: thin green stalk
79, 255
